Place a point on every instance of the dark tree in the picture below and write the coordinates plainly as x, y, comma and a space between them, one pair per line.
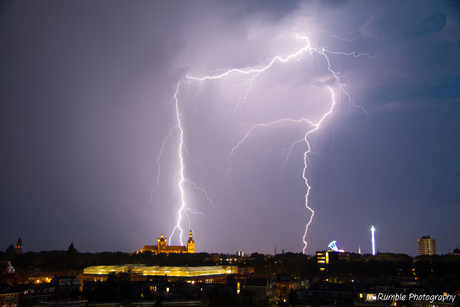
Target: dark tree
222, 296
293, 298
71, 258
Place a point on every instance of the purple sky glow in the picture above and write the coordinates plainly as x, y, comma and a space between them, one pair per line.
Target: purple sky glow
90, 139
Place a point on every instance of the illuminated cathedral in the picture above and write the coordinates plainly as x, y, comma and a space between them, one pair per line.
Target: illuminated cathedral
163, 247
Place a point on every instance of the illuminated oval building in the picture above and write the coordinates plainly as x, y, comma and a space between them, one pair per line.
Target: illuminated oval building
163, 247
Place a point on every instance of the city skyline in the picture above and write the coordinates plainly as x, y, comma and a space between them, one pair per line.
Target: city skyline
109, 109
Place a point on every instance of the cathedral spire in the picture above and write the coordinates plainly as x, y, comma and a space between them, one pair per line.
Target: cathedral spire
190, 244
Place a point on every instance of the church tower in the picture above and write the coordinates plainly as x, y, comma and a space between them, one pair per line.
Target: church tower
190, 244
161, 244
19, 246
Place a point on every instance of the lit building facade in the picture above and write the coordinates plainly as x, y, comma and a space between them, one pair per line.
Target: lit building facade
176, 271
139, 272
426, 246
323, 258
163, 247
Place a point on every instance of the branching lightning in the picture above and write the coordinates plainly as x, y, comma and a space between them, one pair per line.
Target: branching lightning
162, 149
183, 205
180, 178
250, 75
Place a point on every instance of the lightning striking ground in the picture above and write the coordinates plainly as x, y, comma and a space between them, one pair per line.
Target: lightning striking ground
182, 167
180, 178
252, 74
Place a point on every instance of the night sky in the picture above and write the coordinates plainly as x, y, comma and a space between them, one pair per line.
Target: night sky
90, 140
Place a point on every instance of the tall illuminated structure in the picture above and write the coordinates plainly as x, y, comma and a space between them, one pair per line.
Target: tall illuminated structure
426, 246
373, 240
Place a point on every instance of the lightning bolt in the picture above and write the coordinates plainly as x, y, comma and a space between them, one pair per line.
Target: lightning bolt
183, 207
162, 149
315, 127
183, 204
252, 75
248, 78
180, 179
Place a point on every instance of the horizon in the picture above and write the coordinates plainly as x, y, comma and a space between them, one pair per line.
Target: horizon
246, 253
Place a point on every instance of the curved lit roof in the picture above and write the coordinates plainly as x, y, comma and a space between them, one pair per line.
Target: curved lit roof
160, 270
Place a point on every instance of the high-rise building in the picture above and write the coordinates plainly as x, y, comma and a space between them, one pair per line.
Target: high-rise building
426, 246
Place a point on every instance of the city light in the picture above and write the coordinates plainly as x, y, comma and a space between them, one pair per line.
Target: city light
373, 240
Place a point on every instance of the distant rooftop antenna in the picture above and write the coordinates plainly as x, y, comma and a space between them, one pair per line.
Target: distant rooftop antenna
373, 240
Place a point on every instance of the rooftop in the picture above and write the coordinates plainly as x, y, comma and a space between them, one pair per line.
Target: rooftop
141, 269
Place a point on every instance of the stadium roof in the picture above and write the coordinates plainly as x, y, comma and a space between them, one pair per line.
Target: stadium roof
141, 269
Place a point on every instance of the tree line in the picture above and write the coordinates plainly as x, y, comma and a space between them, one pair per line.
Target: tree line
381, 268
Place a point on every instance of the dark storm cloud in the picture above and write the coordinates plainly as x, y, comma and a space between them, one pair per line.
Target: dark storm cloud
86, 89
273, 11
